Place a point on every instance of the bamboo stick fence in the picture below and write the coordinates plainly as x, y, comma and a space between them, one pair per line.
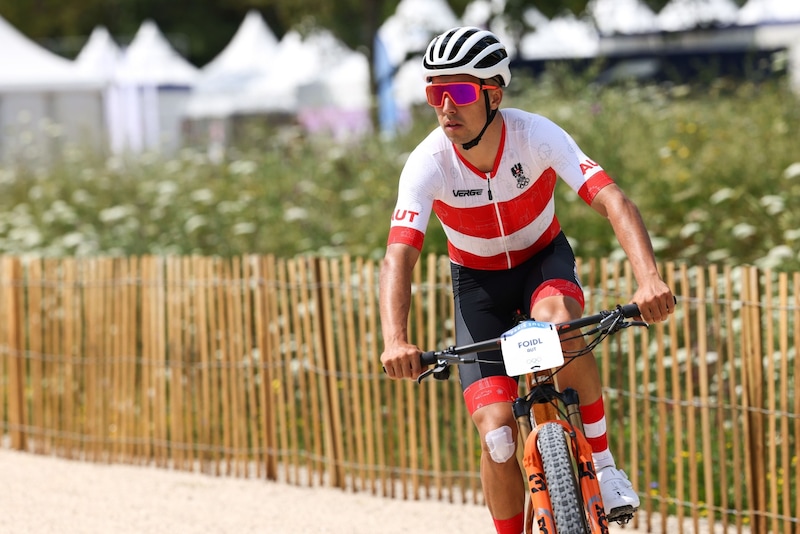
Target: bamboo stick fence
264, 367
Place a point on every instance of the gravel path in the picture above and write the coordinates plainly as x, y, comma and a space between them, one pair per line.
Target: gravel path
44, 495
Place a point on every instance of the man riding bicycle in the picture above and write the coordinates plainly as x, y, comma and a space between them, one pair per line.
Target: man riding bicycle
490, 175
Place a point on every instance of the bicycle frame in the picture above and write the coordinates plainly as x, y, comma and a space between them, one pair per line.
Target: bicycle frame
539, 405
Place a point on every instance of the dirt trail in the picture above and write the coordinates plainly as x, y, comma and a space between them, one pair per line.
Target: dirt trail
44, 495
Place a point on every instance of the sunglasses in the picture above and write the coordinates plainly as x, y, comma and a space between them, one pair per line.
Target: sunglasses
460, 93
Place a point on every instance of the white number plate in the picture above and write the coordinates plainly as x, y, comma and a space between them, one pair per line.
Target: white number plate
531, 346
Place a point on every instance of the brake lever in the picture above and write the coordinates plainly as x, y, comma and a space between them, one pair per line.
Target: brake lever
440, 371
426, 373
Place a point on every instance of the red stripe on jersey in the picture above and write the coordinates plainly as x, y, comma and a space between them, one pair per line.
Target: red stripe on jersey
593, 186
501, 261
516, 213
406, 236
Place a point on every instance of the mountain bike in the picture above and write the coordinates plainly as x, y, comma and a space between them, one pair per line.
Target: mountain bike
564, 492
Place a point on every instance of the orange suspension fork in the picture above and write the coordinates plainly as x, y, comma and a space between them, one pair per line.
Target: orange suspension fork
540, 497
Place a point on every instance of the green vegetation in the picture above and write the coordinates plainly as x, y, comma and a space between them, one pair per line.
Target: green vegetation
712, 169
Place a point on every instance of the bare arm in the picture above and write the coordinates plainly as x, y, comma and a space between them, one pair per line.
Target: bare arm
400, 358
653, 296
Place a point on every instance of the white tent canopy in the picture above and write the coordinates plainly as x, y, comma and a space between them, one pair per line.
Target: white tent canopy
100, 55
769, 11
622, 16
348, 82
296, 62
25, 66
343, 78
316, 80
409, 83
679, 15
409, 30
46, 101
481, 12
247, 57
406, 34
565, 36
248, 51
312, 73
489, 14
151, 86
338, 99
151, 60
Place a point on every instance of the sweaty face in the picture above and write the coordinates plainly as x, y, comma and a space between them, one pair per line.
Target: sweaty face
462, 124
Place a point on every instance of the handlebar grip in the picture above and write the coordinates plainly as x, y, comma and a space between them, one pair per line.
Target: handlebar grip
630, 310
428, 358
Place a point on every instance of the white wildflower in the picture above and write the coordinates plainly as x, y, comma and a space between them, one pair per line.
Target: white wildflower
115, 213
72, 239
202, 196
295, 214
743, 230
361, 211
166, 188
350, 194
242, 167
229, 206
659, 243
193, 223
689, 229
774, 204
721, 195
775, 257
792, 171
244, 228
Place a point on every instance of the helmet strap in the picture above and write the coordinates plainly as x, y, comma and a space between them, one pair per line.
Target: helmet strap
490, 113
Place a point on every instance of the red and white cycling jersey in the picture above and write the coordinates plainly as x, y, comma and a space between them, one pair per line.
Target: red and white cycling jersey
493, 220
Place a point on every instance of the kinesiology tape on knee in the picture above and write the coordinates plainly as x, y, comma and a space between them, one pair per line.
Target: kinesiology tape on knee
500, 442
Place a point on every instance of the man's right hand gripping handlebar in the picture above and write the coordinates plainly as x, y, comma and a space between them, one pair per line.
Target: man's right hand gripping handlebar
401, 360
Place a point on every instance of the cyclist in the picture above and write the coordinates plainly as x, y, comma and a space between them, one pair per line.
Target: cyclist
489, 175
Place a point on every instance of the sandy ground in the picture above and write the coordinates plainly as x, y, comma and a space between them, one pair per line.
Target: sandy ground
43, 495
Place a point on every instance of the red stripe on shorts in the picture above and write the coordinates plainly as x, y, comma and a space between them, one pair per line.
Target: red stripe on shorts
490, 390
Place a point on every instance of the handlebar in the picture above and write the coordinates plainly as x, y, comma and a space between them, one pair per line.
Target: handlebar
606, 321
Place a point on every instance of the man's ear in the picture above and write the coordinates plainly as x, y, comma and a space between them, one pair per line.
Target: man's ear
495, 97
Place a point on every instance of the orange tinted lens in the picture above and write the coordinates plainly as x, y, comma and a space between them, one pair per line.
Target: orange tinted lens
461, 93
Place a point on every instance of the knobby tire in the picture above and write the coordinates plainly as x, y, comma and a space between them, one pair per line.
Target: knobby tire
562, 483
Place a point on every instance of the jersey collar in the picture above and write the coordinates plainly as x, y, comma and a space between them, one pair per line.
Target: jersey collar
497, 157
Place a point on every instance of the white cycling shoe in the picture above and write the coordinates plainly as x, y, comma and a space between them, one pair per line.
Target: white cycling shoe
619, 499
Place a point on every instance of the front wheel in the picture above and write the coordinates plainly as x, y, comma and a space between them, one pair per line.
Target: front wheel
562, 483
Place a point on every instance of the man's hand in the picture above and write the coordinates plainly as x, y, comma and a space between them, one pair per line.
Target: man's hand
402, 361
655, 301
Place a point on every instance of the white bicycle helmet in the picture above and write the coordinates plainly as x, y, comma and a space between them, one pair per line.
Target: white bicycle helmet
467, 50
